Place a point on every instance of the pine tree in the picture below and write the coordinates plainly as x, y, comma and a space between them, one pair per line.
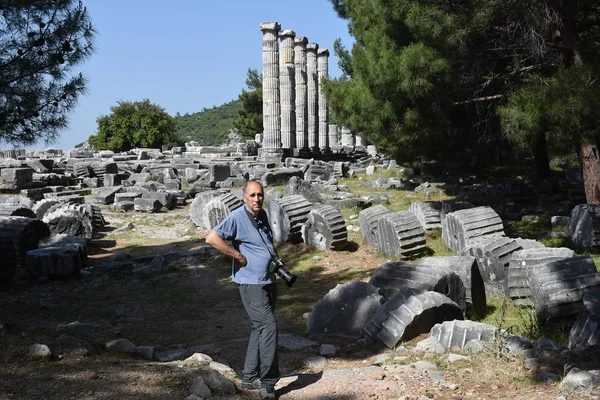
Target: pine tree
40, 44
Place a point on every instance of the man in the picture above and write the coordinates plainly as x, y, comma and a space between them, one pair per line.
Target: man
247, 228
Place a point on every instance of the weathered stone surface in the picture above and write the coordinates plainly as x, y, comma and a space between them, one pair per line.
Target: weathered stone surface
390, 277
62, 240
325, 229
584, 226
493, 254
401, 235
428, 213
369, 225
558, 286
17, 176
105, 195
409, 313
461, 227
468, 271
517, 283
345, 310
50, 261
18, 235
218, 208
287, 216
456, 334
198, 204
297, 186
147, 205
280, 176
168, 200
71, 220
586, 330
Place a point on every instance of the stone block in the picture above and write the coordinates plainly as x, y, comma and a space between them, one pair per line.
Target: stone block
114, 179
17, 176
219, 172
167, 200
147, 205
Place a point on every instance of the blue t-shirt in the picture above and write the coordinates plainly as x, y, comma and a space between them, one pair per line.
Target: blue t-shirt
255, 244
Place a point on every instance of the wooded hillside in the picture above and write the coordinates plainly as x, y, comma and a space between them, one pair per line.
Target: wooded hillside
210, 126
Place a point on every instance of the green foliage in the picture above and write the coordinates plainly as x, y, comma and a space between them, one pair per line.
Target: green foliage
41, 43
423, 73
250, 116
135, 124
565, 106
208, 127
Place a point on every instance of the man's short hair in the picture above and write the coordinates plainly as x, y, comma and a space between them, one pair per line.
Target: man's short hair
250, 181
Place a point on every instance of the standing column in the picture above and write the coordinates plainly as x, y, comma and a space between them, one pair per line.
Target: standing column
301, 97
287, 92
271, 107
347, 140
360, 142
334, 143
312, 84
323, 74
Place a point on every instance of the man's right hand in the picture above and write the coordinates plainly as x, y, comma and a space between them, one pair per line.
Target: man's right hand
240, 260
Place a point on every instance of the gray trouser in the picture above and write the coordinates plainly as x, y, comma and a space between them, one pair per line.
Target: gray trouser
261, 357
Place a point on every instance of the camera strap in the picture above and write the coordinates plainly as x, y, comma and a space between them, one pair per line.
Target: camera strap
255, 221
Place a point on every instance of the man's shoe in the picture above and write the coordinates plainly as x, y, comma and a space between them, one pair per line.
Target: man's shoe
255, 384
266, 393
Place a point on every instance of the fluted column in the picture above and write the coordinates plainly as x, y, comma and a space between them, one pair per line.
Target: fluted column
359, 141
323, 74
271, 106
287, 90
301, 96
312, 84
347, 139
333, 137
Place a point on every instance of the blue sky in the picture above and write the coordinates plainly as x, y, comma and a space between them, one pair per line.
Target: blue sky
185, 54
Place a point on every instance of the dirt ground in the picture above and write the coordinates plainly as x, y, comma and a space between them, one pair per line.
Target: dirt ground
194, 306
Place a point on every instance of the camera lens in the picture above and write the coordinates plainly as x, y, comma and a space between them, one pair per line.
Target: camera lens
287, 276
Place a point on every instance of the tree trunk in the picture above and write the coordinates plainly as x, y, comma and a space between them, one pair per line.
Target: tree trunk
540, 156
590, 166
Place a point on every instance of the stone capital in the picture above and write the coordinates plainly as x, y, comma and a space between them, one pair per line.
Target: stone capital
287, 33
312, 47
323, 52
301, 40
270, 26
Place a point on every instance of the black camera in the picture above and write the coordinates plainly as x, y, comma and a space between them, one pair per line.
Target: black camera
276, 266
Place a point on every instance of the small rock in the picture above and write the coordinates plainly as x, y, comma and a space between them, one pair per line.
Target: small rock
402, 351
517, 344
145, 352
172, 355
424, 365
200, 389
327, 350
315, 362
547, 344
547, 377
121, 346
381, 359
474, 346
40, 351
220, 367
580, 381
531, 363
199, 358
452, 358
449, 385
429, 345
318, 258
